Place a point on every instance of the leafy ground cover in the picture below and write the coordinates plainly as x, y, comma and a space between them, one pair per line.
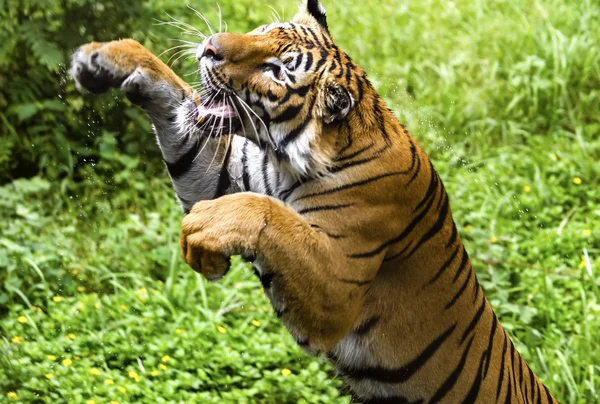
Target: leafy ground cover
96, 305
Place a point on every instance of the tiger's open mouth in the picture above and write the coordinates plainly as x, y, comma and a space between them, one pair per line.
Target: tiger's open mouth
217, 114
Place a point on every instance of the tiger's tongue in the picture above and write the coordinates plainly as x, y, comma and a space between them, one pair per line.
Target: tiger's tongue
218, 110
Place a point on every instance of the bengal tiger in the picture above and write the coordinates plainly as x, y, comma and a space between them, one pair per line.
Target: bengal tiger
289, 157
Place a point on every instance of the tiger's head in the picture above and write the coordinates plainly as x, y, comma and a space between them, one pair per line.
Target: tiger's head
285, 86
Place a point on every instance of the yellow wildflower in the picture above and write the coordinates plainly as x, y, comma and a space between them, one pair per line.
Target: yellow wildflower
155, 373
165, 358
75, 272
114, 402
134, 376
142, 291
256, 323
577, 181
17, 340
97, 305
57, 299
228, 348
90, 402
35, 308
160, 283
49, 376
71, 336
109, 381
67, 362
11, 394
163, 367
77, 358
179, 331
286, 372
51, 357
122, 389
95, 371
280, 345
81, 288
124, 308
493, 239
222, 330
582, 264
22, 319
469, 227
587, 232
526, 188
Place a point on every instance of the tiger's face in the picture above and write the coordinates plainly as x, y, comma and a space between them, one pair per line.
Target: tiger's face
281, 86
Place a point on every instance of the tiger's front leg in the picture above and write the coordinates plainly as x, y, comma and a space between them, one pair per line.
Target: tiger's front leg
196, 163
301, 270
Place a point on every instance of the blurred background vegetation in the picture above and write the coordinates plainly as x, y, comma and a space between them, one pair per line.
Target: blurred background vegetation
95, 304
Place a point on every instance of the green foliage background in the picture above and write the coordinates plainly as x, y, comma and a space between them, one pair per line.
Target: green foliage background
95, 304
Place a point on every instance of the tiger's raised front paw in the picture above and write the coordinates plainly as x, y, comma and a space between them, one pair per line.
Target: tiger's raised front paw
123, 64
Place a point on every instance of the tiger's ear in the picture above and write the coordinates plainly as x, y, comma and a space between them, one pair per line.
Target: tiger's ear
338, 103
312, 10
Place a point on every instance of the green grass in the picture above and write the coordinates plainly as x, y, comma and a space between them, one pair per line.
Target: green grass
504, 96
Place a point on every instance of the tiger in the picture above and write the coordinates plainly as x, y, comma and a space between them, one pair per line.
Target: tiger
289, 157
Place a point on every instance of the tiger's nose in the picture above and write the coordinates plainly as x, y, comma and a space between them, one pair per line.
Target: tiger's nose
210, 50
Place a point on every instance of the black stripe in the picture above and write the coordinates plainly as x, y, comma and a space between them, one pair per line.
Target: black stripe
476, 289
490, 344
531, 383
474, 321
439, 224
431, 189
271, 96
354, 163
265, 174
401, 374
288, 114
539, 393
451, 380
224, 180
453, 235
324, 208
354, 154
548, 395
245, 174
444, 267
350, 185
508, 392
294, 133
502, 368
184, 163
460, 291
309, 61
366, 326
398, 254
298, 61
521, 378
512, 365
463, 265
322, 60
300, 92
476, 386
